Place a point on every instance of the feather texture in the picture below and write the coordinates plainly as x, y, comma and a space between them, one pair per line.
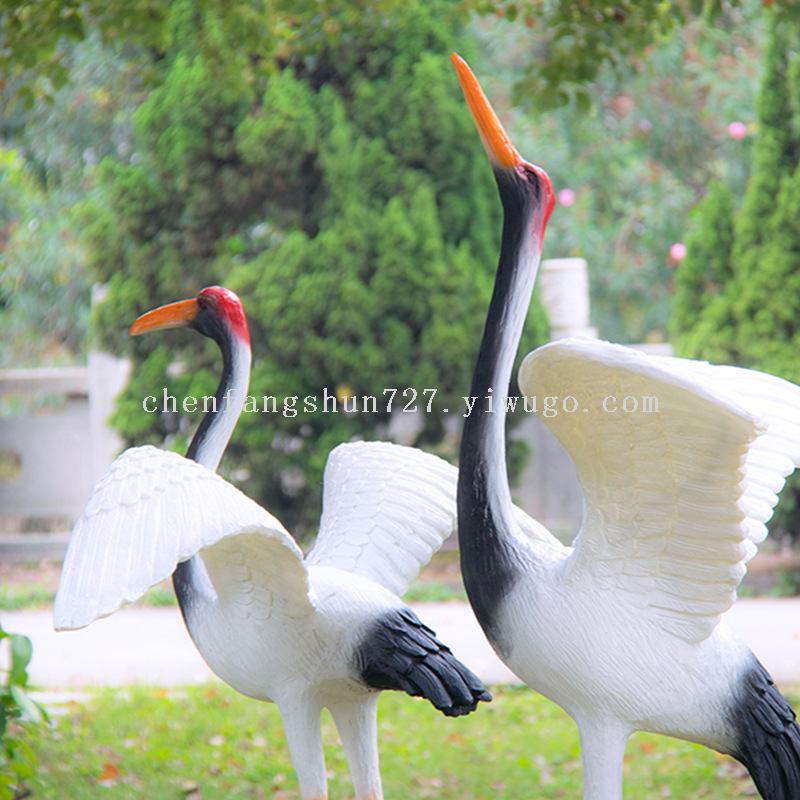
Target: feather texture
676, 498
152, 510
399, 652
367, 523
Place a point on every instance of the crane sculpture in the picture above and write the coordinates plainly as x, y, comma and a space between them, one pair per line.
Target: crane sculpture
622, 629
328, 630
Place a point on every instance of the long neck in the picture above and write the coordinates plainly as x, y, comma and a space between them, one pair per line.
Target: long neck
485, 523
190, 579
214, 432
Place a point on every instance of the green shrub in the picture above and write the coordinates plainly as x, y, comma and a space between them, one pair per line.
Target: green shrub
344, 195
19, 715
737, 297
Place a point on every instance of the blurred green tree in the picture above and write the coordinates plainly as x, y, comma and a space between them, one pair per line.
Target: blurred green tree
36, 58
702, 278
46, 168
750, 255
632, 167
576, 42
766, 257
752, 317
345, 198
41, 283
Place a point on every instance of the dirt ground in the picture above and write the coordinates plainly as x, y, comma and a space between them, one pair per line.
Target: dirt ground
443, 568
765, 571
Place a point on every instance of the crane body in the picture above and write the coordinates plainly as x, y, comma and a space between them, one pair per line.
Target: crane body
622, 628
327, 630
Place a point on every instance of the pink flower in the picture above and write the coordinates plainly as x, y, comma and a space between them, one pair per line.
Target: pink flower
566, 197
678, 251
737, 130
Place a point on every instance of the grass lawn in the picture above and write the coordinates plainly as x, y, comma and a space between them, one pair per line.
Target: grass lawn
209, 743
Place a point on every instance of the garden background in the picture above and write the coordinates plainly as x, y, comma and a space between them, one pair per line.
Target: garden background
317, 157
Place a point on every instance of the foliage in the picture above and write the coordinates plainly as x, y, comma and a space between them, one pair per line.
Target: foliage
211, 742
44, 287
40, 281
18, 715
745, 323
751, 318
638, 161
787, 583
705, 272
38, 36
577, 42
347, 200
90, 61
776, 149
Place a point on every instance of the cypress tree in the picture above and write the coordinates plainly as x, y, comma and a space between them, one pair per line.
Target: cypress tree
752, 316
345, 197
703, 276
767, 238
775, 152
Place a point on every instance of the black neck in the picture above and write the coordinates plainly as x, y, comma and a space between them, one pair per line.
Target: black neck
189, 579
487, 541
213, 417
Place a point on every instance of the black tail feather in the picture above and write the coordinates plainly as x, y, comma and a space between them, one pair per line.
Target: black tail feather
768, 737
399, 652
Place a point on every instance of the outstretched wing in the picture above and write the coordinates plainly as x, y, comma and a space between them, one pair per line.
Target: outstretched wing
677, 486
386, 509
152, 510
776, 453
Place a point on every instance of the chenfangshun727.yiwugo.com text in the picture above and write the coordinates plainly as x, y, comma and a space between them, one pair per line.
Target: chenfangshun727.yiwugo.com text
408, 401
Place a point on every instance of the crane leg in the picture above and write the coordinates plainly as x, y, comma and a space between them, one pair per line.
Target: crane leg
357, 723
301, 724
602, 751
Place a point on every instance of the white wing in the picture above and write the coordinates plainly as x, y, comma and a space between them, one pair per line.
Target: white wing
776, 453
152, 510
675, 498
386, 509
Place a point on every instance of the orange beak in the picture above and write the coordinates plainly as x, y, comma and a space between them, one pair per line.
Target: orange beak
174, 315
494, 137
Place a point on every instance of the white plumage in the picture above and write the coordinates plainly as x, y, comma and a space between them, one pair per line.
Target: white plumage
328, 631
151, 511
629, 634
623, 629
676, 499
386, 510
155, 509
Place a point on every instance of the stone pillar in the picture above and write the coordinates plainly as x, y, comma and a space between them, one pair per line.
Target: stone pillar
107, 378
564, 291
